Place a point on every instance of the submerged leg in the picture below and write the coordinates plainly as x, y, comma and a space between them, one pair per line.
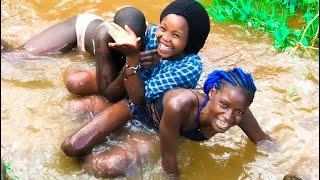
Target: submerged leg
88, 104
125, 158
95, 131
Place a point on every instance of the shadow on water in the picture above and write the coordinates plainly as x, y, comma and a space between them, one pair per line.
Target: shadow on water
34, 117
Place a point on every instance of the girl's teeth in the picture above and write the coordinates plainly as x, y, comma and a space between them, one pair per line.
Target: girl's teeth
221, 124
164, 47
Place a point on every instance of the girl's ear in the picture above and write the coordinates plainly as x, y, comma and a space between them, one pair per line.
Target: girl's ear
212, 93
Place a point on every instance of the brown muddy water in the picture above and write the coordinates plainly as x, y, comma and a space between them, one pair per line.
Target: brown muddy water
35, 118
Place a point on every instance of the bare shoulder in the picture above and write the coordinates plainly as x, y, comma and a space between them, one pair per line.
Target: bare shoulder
181, 96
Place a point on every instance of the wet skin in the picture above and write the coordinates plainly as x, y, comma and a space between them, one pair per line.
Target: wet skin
94, 132
226, 108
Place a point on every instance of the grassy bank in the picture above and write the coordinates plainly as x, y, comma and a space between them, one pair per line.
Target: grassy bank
292, 23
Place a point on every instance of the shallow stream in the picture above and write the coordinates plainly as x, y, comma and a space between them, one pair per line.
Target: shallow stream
35, 119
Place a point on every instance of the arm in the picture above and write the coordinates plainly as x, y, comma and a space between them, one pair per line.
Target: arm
170, 124
127, 42
109, 82
133, 83
178, 114
251, 128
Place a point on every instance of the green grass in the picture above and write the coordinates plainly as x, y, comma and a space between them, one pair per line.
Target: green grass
273, 17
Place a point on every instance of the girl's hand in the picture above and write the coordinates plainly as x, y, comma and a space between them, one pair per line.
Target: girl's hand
150, 58
126, 40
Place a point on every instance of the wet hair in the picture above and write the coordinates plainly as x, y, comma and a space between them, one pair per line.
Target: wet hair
133, 18
236, 77
197, 19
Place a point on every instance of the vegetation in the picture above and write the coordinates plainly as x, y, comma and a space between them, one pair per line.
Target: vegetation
292, 23
7, 171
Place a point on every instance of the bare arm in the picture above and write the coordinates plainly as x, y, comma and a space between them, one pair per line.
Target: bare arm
169, 136
109, 81
177, 115
129, 44
133, 83
251, 127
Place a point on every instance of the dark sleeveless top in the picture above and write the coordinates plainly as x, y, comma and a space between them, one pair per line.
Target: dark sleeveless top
195, 134
156, 109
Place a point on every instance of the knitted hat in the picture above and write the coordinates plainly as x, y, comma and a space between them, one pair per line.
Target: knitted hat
198, 22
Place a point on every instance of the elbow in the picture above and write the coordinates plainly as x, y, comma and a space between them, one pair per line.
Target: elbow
101, 34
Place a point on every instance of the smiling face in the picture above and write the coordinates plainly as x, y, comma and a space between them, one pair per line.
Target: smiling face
172, 36
227, 107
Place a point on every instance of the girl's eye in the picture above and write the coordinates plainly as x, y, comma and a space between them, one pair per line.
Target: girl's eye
223, 105
176, 36
162, 28
239, 113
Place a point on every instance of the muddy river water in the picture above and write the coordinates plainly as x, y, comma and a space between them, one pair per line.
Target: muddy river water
35, 119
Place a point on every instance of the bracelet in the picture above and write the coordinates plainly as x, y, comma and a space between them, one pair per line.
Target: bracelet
134, 68
126, 75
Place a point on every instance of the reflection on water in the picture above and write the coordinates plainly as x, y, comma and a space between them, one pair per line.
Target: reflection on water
34, 117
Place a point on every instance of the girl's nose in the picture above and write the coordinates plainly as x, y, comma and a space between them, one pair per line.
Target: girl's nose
166, 37
228, 115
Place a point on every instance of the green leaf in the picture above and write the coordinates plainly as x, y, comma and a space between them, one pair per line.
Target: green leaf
293, 91
305, 42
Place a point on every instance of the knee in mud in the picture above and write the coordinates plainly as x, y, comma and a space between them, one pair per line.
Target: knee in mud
76, 82
106, 166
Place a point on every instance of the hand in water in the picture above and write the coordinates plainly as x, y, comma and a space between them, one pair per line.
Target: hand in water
126, 40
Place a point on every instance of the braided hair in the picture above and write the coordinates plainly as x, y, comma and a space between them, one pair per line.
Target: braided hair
236, 77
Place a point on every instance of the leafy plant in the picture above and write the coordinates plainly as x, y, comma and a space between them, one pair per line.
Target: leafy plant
9, 171
273, 17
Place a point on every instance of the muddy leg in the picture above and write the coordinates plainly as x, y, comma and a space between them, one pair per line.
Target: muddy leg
95, 131
127, 157
88, 105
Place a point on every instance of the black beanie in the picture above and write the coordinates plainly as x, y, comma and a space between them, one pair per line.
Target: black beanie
198, 22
